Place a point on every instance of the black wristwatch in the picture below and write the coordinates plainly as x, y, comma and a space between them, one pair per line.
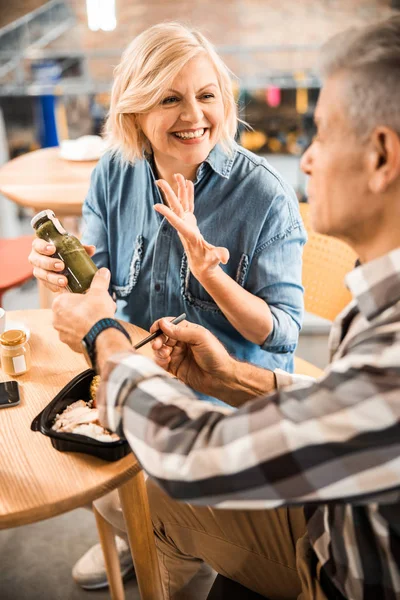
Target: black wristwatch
89, 341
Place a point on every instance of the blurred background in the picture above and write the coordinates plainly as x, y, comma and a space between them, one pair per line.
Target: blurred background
68, 48
56, 66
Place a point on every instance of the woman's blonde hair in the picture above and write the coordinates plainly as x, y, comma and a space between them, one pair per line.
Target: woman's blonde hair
147, 68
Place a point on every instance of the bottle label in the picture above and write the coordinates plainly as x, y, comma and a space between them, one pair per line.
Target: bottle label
19, 364
56, 223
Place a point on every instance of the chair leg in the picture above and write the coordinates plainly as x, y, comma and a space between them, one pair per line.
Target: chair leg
135, 506
107, 541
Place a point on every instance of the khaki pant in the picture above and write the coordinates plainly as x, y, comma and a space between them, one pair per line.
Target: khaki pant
266, 550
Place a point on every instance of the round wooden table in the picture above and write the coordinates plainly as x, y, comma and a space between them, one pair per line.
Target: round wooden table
38, 482
41, 179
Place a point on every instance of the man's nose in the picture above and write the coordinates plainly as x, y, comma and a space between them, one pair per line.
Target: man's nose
306, 161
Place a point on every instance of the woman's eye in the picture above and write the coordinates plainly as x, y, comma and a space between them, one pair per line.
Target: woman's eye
208, 96
169, 100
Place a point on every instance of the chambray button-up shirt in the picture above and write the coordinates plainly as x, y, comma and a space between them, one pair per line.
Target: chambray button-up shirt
241, 203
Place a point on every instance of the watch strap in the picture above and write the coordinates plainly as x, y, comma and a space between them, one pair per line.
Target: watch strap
101, 325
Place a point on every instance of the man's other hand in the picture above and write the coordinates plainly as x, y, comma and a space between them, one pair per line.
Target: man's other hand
75, 314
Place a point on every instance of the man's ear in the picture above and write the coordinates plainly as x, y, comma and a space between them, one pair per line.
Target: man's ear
383, 159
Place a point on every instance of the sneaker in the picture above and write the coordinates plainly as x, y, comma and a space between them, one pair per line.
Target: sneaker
90, 571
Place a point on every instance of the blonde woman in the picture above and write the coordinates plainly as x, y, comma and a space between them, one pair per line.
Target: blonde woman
185, 218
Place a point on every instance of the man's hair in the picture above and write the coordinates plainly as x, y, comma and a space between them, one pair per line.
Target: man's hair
369, 58
147, 68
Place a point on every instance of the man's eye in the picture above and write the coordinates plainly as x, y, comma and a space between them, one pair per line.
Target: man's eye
169, 100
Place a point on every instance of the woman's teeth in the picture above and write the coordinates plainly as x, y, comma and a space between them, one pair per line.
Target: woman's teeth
189, 135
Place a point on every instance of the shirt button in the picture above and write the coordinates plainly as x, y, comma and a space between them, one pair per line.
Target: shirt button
157, 287
164, 229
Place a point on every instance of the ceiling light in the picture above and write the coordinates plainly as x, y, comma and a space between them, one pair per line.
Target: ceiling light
101, 15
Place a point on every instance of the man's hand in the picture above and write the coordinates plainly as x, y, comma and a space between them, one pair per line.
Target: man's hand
193, 354
196, 357
75, 314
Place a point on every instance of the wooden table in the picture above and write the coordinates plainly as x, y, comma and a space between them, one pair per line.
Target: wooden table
303, 367
38, 482
41, 179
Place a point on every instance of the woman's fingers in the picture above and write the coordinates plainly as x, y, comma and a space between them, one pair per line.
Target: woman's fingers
170, 197
182, 192
90, 249
182, 227
43, 247
56, 280
222, 254
190, 195
40, 256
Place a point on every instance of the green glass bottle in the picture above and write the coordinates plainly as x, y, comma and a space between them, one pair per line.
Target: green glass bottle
79, 267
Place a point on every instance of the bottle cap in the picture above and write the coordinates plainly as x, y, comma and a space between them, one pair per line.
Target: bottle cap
47, 214
13, 337
43, 213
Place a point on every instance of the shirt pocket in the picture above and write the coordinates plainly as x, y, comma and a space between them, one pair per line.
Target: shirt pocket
122, 291
193, 292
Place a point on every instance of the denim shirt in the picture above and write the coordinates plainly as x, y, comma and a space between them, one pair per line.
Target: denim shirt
241, 203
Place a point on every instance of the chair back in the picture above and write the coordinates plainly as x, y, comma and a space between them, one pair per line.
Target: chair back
326, 261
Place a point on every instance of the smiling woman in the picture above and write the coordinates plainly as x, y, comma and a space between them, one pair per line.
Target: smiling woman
185, 126
186, 219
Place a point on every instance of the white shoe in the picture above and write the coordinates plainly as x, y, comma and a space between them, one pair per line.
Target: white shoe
90, 571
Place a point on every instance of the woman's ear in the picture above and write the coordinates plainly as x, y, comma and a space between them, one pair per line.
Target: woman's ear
383, 159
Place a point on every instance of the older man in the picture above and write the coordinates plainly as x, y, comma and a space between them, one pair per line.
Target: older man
307, 475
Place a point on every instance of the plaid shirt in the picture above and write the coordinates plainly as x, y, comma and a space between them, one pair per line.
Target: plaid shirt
332, 445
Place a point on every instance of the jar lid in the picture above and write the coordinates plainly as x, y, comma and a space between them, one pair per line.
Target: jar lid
13, 337
43, 213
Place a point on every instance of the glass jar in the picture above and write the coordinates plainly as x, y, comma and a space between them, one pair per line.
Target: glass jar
79, 267
15, 352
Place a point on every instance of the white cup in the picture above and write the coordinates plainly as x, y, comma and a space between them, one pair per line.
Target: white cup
2, 320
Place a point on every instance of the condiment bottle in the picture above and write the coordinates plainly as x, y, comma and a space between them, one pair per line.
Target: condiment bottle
15, 352
79, 267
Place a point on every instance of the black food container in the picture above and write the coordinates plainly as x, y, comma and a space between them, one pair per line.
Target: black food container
77, 389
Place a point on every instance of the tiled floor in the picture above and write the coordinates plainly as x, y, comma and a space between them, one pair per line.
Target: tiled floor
36, 560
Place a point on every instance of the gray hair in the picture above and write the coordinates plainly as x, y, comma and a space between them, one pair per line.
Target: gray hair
369, 57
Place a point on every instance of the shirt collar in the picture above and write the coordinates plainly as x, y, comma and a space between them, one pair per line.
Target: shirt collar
375, 286
220, 161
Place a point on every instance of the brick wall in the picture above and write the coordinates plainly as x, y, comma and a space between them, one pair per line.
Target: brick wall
11, 10
242, 23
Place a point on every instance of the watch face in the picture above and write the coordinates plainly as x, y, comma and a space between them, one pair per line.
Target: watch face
86, 354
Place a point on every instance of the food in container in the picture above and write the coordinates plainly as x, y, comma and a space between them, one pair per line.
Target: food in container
82, 418
75, 390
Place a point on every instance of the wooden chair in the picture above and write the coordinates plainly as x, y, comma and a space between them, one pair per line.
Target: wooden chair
14, 266
326, 261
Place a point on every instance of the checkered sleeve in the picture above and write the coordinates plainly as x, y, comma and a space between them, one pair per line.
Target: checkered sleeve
313, 441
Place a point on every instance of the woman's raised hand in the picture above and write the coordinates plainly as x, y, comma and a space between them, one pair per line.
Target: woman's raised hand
203, 258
